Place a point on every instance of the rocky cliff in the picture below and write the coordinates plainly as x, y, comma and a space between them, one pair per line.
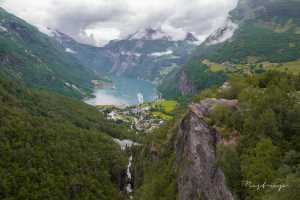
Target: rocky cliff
185, 86
199, 175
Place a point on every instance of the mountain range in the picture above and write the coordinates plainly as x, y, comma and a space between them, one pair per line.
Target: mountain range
228, 131
148, 54
56, 61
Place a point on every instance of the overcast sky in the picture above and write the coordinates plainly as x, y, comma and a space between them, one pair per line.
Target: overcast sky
98, 21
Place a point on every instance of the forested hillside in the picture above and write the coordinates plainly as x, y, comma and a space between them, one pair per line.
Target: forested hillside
54, 147
265, 36
258, 142
39, 61
267, 125
261, 23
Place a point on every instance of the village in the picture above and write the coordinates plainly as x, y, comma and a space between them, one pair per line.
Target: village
144, 117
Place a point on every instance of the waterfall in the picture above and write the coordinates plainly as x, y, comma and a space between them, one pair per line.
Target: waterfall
124, 144
129, 176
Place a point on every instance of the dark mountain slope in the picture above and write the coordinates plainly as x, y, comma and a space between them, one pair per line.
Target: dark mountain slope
39, 61
94, 58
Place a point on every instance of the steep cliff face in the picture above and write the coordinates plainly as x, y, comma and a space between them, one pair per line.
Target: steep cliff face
199, 175
185, 85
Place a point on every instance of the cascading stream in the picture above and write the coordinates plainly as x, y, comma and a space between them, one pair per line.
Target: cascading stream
129, 187
124, 144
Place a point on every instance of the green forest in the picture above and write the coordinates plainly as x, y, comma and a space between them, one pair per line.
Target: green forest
55, 147
267, 123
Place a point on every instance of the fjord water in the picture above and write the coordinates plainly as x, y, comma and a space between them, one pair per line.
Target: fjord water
124, 92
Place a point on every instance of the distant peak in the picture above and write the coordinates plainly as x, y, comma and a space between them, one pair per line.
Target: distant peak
190, 37
150, 34
151, 31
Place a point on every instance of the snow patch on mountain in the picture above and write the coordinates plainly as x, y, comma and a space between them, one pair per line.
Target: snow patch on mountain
46, 30
59, 36
128, 53
195, 43
160, 54
68, 50
3, 29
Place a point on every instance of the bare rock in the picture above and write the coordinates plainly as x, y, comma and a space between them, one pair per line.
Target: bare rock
185, 86
199, 175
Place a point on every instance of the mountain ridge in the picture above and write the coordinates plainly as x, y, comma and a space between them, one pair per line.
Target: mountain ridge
150, 56
39, 61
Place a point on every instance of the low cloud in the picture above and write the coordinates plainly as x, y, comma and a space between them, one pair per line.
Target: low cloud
98, 21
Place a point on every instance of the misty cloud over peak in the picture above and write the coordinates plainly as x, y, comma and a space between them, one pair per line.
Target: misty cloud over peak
99, 21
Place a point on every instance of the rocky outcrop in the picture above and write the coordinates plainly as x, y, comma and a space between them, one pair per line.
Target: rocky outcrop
185, 86
199, 175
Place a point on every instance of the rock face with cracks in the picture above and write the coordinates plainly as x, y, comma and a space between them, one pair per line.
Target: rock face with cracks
199, 175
